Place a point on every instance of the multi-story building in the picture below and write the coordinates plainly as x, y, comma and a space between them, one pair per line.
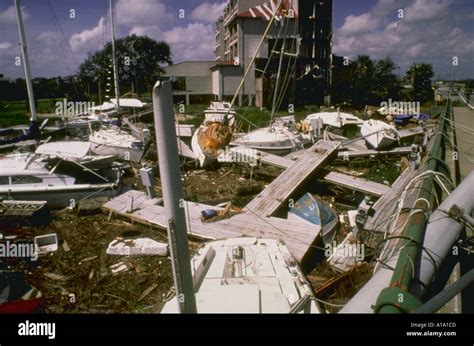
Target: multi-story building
308, 35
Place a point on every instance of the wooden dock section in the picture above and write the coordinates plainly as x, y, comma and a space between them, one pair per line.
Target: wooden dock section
261, 156
336, 178
347, 155
387, 204
277, 194
357, 184
298, 236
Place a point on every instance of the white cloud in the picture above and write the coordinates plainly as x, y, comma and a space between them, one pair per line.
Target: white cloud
425, 10
152, 31
90, 39
141, 12
208, 12
359, 24
9, 15
193, 42
5, 45
49, 38
425, 34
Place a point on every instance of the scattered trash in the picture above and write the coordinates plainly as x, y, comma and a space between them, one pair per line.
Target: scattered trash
65, 246
88, 259
139, 246
147, 292
351, 215
120, 267
208, 213
55, 277
46, 243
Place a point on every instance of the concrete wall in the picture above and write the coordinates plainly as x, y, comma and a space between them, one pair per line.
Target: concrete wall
197, 73
189, 68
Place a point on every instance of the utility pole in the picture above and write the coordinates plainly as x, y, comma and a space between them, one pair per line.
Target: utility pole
26, 63
174, 203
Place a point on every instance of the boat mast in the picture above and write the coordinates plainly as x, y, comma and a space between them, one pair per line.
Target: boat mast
173, 195
114, 59
26, 63
277, 82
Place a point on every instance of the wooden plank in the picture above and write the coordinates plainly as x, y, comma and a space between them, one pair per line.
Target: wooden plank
298, 236
357, 184
345, 155
279, 191
411, 132
387, 204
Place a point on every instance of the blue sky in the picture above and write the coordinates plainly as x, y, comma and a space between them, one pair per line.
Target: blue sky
432, 31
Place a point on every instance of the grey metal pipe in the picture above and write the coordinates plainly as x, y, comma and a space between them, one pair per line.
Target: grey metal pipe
441, 233
173, 195
26, 62
448, 293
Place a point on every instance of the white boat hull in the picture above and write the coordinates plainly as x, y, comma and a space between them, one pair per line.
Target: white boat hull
122, 153
378, 134
248, 275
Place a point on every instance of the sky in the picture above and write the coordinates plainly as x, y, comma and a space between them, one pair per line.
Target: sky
431, 31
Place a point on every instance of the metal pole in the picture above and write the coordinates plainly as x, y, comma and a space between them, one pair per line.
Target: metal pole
26, 63
277, 82
441, 234
391, 298
114, 60
173, 195
448, 293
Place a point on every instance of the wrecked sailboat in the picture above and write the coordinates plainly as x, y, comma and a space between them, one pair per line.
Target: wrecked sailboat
214, 133
116, 142
59, 179
280, 138
378, 134
335, 119
261, 276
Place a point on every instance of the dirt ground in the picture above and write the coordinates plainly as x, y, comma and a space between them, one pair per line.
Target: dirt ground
77, 278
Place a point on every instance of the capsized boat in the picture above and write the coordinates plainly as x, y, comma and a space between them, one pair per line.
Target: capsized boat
248, 275
214, 133
335, 119
281, 138
378, 134
313, 210
116, 142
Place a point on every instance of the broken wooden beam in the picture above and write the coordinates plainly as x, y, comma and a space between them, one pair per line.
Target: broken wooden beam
277, 194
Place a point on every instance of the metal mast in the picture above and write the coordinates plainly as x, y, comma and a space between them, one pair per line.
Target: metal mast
26, 63
165, 131
114, 59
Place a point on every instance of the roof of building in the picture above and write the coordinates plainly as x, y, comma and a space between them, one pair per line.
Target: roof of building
228, 63
267, 9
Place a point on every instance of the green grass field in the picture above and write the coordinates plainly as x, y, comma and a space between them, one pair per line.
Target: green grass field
16, 113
